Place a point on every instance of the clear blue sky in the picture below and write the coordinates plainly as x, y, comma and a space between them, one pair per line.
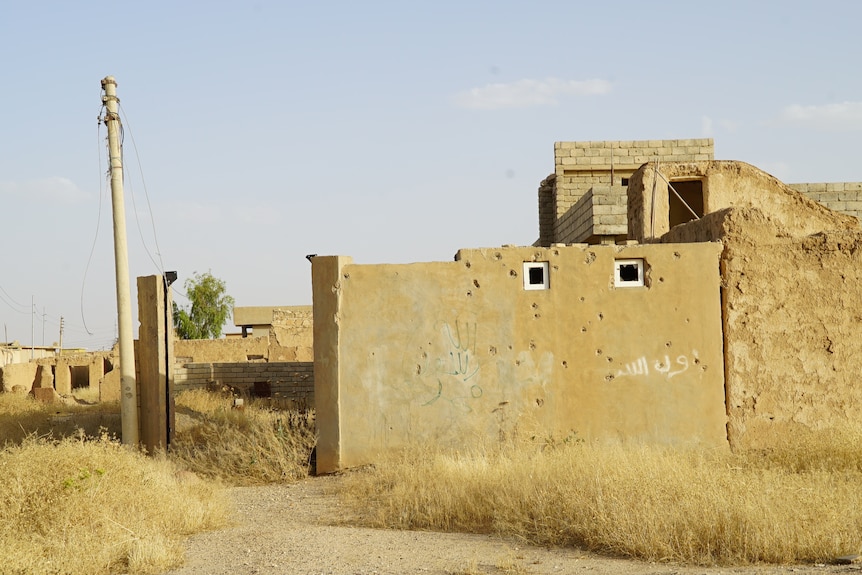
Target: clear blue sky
386, 131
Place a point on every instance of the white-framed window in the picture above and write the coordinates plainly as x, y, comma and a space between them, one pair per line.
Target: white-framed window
629, 273
536, 276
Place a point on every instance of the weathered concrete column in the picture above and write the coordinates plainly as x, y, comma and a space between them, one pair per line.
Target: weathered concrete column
326, 293
63, 377
155, 355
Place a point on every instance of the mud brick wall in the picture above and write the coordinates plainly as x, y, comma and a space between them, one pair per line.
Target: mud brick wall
289, 379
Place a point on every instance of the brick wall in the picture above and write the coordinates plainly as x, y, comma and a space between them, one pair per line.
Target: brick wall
581, 166
289, 379
844, 197
600, 212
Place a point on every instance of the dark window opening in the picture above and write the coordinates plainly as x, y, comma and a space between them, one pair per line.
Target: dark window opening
80, 376
691, 192
629, 272
262, 389
537, 276
624, 182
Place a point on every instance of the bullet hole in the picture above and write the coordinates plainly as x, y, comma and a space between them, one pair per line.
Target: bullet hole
418, 369
347, 276
676, 255
532, 345
581, 299
469, 293
555, 252
513, 273
565, 364
540, 402
703, 368
537, 316
535, 305
598, 352
467, 264
601, 316
590, 258
667, 344
424, 355
555, 266
510, 347
609, 377
498, 256
492, 350
517, 362
610, 359
584, 329
476, 283
696, 361
660, 280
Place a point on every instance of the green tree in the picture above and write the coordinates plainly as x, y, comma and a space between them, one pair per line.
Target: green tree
208, 311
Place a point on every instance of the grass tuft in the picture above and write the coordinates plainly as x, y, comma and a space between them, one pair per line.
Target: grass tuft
251, 446
797, 504
94, 506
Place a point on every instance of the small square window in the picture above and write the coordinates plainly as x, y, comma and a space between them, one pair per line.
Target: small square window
629, 273
536, 275
624, 181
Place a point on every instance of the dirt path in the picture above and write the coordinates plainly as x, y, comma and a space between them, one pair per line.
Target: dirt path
289, 530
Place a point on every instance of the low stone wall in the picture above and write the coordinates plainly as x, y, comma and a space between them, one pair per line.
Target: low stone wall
291, 379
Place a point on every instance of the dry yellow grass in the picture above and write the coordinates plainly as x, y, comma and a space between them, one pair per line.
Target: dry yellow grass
799, 504
242, 447
22, 416
81, 506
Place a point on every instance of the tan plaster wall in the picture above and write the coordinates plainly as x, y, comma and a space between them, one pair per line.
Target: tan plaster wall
458, 352
18, 374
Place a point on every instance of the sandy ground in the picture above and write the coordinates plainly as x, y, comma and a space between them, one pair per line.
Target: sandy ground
292, 530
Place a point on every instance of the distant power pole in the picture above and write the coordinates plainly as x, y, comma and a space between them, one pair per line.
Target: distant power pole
32, 327
62, 323
128, 384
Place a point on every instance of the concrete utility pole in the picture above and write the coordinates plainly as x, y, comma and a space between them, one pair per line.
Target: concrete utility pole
128, 385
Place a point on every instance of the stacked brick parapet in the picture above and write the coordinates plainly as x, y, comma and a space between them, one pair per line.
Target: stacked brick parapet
844, 197
547, 214
601, 212
292, 380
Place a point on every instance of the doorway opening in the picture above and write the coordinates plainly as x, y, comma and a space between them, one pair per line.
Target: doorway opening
691, 193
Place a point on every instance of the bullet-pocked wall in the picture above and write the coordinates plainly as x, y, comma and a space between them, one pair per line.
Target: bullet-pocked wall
607, 342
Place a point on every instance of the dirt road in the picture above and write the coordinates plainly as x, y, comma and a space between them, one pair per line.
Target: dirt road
292, 530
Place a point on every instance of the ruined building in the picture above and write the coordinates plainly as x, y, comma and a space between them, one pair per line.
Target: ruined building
670, 298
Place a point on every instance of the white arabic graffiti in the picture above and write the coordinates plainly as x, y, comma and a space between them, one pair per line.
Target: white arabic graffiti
662, 366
